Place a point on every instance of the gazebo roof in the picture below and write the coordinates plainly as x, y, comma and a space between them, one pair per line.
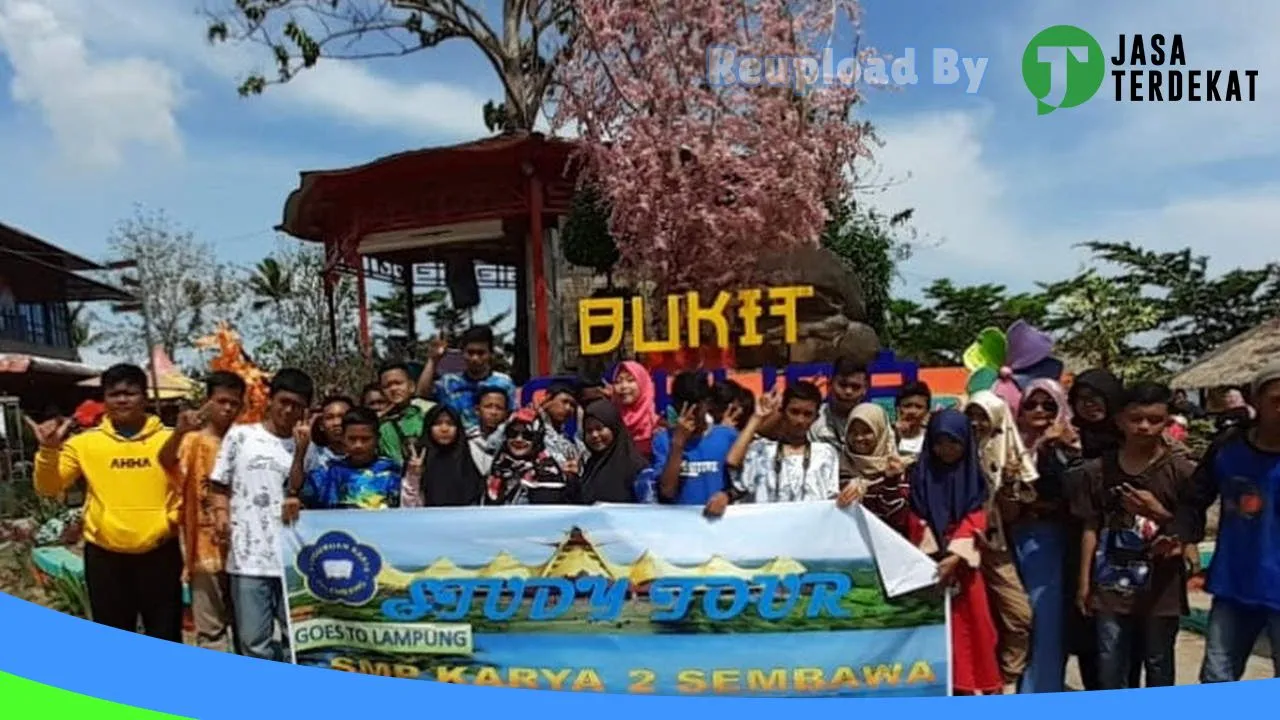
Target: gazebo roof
1234, 362
404, 189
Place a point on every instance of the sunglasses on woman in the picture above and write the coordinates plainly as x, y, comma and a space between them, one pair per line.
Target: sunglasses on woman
520, 434
1048, 406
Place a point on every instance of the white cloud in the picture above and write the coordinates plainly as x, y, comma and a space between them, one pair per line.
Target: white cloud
94, 106
963, 200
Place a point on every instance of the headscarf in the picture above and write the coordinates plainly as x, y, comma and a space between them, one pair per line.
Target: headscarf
1097, 438
1005, 444
449, 474
873, 465
885, 497
942, 495
608, 475
1059, 396
510, 477
639, 417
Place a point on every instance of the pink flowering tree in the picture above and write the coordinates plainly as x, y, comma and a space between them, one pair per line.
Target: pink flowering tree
704, 172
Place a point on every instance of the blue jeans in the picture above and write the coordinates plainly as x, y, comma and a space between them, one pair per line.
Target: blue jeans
1233, 630
1040, 549
1116, 647
258, 604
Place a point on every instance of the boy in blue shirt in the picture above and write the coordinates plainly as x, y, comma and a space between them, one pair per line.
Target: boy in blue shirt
689, 458
1244, 577
360, 478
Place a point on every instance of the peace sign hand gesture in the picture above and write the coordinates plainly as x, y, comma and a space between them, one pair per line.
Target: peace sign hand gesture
50, 433
415, 460
302, 431
687, 424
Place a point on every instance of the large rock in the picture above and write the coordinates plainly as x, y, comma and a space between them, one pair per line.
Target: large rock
831, 324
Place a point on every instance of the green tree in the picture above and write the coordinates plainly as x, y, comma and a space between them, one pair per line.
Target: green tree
872, 245
81, 321
270, 283
392, 315
1197, 313
1097, 320
524, 44
587, 241
937, 330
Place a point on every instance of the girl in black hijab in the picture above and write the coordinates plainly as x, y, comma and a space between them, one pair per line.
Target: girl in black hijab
610, 472
449, 474
1096, 396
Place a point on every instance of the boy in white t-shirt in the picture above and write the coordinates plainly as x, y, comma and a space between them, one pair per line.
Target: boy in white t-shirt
249, 483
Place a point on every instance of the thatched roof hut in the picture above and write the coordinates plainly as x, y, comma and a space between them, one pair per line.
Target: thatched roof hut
1234, 362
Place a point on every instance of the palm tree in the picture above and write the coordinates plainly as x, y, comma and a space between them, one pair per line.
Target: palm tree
270, 283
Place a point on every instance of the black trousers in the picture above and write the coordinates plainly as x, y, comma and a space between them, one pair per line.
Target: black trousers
124, 588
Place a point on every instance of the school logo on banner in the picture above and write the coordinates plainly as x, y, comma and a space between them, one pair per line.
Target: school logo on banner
339, 569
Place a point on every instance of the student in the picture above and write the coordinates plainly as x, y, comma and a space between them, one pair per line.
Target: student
849, 383
1041, 532
792, 468
132, 556
634, 395
402, 422
1244, 576
689, 458
870, 460
1010, 474
371, 397
191, 453
458, 390
730, 404
614, 466
947, 498
484, 437
326, 432
912, 404
1096, 397
559, 408
449, 476
249, 482
1131, 569
359, 480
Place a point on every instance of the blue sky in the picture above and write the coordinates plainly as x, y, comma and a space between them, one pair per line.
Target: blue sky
107, 104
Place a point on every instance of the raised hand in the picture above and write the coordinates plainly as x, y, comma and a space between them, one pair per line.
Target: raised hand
769, 403
571, 466
686, 424
437, 347
731, 416
893, 467
415, 461
51, 433
302, 431
850, 494
190, 421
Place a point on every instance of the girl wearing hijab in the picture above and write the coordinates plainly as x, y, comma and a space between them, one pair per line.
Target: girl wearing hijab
449, 477
947, 499
870, 459
614, 464
1010, 475
1041, 534
634, 394
524, 473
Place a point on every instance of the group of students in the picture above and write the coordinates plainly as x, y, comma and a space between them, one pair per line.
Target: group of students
1060, 523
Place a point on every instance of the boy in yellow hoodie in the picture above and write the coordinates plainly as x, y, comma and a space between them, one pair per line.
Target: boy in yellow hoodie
132, 558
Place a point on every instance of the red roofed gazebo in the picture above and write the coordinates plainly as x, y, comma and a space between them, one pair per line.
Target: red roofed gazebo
407, 218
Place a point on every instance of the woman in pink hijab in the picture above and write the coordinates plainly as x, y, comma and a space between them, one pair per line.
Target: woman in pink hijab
633, 394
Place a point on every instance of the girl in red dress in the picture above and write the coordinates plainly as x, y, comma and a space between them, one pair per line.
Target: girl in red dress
947, 498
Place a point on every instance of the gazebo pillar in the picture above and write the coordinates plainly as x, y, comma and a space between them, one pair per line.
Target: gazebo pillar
541, 299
